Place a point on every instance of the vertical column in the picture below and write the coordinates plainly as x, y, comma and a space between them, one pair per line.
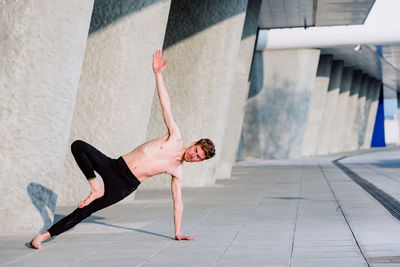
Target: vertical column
42, 49
317, 103
342, 110
368, 100
202, 43
117, 83
324, 136
398, 112
351, 130
373, 107
239, 92
360, 115
279, 108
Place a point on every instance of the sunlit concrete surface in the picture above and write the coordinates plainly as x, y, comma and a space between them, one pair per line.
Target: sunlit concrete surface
304, 212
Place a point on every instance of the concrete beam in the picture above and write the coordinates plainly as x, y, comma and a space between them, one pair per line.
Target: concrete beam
202, 56
373, 108
367, 106
116, 85
350, 140
42, 47
282, 82
360, 116
328, 117
239, 92
317, 103
342, 111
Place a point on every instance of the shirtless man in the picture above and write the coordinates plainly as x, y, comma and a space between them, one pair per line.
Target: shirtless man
123, 175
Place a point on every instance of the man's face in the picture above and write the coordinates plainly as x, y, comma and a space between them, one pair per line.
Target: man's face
194, 153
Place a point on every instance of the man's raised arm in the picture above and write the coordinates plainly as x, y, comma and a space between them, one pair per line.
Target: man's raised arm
158, 67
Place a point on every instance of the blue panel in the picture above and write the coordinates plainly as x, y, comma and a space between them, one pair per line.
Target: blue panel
378, 137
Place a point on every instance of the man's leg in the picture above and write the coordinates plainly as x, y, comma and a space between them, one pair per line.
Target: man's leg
89, 159
75, 217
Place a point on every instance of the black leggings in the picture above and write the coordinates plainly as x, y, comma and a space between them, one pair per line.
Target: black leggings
118, 180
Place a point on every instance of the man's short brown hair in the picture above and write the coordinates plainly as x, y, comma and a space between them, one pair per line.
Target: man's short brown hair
207, 146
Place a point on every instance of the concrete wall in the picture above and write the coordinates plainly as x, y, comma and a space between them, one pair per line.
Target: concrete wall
202, 42
316, 108
279, 99
117, 84
350, 139
371, 114
342, 111
328, 116
239, 92
42, 47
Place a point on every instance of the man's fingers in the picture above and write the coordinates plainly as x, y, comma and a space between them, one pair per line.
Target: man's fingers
163, 56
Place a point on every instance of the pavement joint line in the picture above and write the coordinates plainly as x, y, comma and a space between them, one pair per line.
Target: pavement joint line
296, 219
240, 229
378, 172
108, 243
170, 241
344, 216
36, 251
391, 204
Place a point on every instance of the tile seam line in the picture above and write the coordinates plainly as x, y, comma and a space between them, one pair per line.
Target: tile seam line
237, 233
296, 219
344, 216
166, 244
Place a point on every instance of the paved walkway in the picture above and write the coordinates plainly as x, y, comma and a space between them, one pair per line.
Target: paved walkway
270, 213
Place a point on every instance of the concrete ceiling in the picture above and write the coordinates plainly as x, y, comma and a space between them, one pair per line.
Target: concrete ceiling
308, 13
378, 61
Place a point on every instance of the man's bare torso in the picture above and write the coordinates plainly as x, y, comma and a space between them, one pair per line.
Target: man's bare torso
161, 155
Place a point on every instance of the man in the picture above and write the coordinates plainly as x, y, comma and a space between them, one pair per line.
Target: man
123, 175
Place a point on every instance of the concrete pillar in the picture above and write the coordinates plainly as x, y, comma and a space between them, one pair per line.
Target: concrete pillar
398, 112
329, 113
351, 130
116, 85
342, 110
276, 113
373, 107
239, 92
42, 47
360, 116
202, 43
317, 103
368, 100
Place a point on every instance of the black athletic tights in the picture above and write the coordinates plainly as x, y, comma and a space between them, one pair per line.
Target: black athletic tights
118, 180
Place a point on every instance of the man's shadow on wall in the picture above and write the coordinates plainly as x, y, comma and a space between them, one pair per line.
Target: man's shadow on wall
43, 197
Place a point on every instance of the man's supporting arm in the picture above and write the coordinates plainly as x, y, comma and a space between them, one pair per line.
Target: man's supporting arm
158, 67
178, 208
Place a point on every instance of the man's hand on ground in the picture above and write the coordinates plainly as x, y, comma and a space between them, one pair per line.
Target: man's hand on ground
182, 237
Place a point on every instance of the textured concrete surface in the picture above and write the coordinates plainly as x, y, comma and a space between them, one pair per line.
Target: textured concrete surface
360, 116
351, 131
316, 108
199, 77
41, 57
342, 109
368, 100
371, 114
329, 113
271, 213
116, 85
239, 93
282, 82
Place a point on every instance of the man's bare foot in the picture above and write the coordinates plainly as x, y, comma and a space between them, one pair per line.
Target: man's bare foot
37, 240
97, 192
